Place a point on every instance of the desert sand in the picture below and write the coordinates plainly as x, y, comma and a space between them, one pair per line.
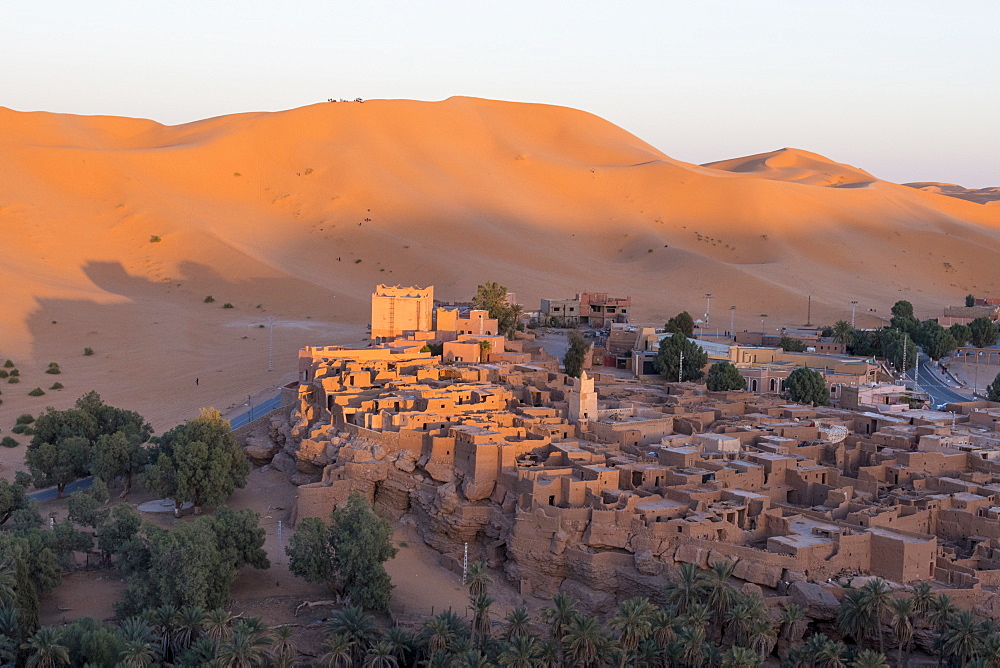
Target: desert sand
114, 230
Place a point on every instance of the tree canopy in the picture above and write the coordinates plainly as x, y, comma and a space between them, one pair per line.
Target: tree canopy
576, 355
198, 461
682, 322
492, 297
806, 386
668, 358
724, 376
348, 554
993, 390
791, 345
982, 333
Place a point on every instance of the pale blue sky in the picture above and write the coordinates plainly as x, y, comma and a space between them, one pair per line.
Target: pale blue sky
908, 90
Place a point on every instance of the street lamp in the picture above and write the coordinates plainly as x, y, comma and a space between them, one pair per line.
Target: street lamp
762, 316
854, 305
708, 307
732, 321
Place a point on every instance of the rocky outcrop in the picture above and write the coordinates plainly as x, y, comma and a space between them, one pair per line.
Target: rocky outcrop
817, 601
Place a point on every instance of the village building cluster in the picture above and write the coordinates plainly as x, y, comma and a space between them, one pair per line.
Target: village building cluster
596, 485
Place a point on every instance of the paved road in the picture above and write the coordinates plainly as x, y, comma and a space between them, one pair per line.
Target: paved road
52, 492
934, 383
255, 412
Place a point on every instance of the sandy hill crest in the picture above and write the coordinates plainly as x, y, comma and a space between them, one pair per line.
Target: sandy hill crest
117, 228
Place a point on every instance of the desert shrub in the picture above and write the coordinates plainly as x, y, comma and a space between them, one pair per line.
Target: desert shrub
25, 418
154, 239
209, 299
88, 351
53, 368
56, 386
9, 364
3, 373
13, 379
358, 261
227, 305
37, 392
237, 174
20, 428
15, 372
8, 442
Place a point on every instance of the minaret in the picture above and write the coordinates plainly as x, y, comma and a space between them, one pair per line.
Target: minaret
582, 399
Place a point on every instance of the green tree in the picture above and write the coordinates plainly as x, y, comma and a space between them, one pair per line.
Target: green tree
681, 323
87, 506
970, 300
198, 461
118, 455
961, 334
876, 602
576, 355
492, 297
348, 555
806, 386
983, 333
668, 358
724, 376
788, 344
992, 391
903, 318
935, 339
633, 621
59, 463
45, 649
583, 640
13, 497
900, 349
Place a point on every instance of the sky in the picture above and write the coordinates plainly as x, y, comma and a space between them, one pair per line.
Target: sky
908, 90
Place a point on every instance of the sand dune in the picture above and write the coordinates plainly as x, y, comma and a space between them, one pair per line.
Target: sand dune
979, 195
297, 214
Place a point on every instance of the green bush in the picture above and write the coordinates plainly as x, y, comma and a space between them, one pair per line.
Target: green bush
37, 392
20, 428
25, 418
209, 299
8, 442
8, 364
15, 372
56, 386
53, 368
154, 239
358, 261
227, 305
3, 373
88, 352
13, 379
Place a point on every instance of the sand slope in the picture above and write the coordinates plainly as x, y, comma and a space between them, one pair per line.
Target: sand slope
297, 214
980, 195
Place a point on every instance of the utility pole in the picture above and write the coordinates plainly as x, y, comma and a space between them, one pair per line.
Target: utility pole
732, 322
708, 307
278, 559
465, 565
854, 305
680, 368
904, 356
809, 311
270, 343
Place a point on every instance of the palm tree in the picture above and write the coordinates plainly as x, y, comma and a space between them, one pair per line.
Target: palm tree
939, 615
521, 651
550, 654
189, 623
138, 636
698, 614
853, 615
517, 623
401, 641
582, 639
740, 657
686, 590
340, 652
923, 597
793, 620
477, 578
963, 638
867, 658
876, 600
204, 651
439, 634
990, 651
164, 622
481, 617
843, 332
243, 649
283, 650
357, 626
380, 655
216, 624
484, 350
633, 620
46, 649
663, 632
812, 650
762, 636
693, 645
720, 595
558, 617
8, 633
473, 658
8, 582
900, 613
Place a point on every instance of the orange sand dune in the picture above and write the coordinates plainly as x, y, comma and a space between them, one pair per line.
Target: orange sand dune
980, 195
298, 214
